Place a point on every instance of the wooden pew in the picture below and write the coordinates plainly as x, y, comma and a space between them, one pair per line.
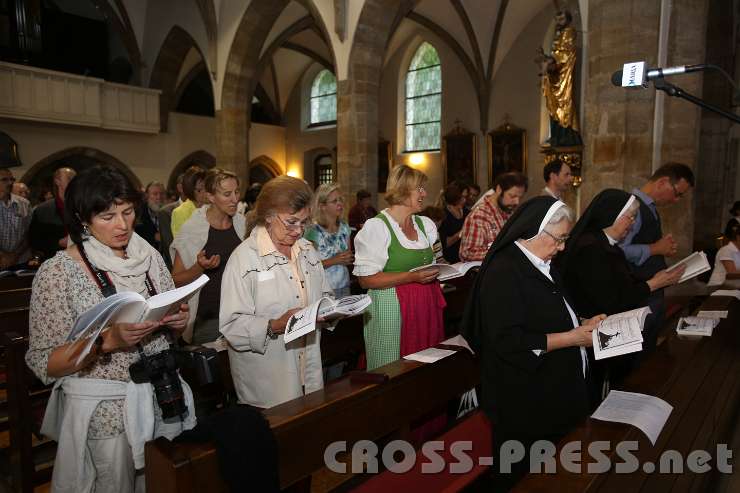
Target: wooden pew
700, 378
346, 409
30, 464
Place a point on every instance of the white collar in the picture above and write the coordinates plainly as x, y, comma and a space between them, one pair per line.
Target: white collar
536, 261
611, 240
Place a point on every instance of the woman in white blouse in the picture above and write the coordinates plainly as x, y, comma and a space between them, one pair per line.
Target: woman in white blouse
727, 263
406, 313
270, 276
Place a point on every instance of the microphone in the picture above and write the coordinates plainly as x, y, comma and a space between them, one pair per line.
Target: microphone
634, 74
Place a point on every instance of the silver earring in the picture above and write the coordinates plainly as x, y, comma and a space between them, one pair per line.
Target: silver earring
85, 231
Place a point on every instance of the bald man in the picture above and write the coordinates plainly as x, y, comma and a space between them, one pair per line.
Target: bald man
22, 190
47, 233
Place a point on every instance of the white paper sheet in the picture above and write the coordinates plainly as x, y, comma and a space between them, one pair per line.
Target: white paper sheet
429, 355
645, 412
735, 293
458, 340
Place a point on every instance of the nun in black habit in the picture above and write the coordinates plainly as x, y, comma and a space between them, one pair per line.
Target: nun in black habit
596, 272
520, 322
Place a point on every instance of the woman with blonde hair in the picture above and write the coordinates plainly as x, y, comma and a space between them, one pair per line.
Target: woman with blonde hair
330, 236
406, 313
203, 246
271, 275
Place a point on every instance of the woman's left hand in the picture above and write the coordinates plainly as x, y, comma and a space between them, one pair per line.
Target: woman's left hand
178, 321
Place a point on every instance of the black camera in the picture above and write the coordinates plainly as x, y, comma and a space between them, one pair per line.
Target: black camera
161, 370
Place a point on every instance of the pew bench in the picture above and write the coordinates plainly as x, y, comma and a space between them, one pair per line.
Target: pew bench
367, 406
700, 378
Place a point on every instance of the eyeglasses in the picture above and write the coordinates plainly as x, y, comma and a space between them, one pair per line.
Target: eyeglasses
676, 192
558, 240
338, 200
8, 179
293, 226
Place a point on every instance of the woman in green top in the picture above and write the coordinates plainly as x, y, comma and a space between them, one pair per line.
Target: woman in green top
406, 313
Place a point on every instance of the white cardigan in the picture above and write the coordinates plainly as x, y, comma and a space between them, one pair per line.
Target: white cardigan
257, 286
190, 240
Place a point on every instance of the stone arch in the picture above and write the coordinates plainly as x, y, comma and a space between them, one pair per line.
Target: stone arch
77, 158
262, 167
167, 67
241, 76
202, 158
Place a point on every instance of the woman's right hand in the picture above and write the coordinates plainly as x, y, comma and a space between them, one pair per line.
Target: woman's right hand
343, 258
207, 263
277, 325
123, 336
424, 276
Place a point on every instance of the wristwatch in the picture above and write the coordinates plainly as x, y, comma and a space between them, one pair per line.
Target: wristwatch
270, 333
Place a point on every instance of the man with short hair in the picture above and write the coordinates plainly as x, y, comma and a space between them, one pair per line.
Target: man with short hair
645, 246
557, 177
164, 218
484, 223
48, 234
473, 195
362, 210
22, 190
147, 225
15, 219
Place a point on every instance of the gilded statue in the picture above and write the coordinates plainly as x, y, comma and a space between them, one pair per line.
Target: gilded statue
557, 83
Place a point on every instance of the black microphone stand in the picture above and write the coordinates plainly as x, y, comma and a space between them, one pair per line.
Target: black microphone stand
675, 91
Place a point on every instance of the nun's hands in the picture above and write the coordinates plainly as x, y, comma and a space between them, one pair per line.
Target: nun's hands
582, 334
666, 277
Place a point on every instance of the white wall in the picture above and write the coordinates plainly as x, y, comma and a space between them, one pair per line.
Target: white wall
516, 92
149, 157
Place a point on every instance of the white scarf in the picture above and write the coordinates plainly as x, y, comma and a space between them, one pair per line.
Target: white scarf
127, 274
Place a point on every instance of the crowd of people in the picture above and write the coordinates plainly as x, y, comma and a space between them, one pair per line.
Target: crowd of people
285, 246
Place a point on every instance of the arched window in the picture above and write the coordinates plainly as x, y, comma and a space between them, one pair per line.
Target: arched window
324, 98
423, 100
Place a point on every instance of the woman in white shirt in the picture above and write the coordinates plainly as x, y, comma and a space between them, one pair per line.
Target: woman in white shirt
271, 275
406, 313
727, 263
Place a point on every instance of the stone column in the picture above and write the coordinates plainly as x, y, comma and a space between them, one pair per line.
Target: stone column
232, 141
619, 130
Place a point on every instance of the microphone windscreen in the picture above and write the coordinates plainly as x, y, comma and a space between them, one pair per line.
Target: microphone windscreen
617, 78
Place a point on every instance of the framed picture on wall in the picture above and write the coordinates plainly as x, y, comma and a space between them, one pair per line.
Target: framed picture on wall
385, 161
507, 151
460, 156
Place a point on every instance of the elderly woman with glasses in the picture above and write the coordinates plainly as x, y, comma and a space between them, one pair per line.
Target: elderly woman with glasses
406, 313
271, 275
330, 235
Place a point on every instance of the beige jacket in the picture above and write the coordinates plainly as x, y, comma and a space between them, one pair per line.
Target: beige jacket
257, 286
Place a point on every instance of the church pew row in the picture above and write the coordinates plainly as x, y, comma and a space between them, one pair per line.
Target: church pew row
351, 408
700, 378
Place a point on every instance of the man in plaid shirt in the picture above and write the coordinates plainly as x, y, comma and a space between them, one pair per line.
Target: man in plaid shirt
483, 224
15, 218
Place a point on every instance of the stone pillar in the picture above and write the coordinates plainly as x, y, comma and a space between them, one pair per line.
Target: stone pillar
619, 130
232, 141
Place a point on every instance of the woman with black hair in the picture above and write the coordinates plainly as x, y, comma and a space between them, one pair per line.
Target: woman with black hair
727, 262
96, 413
520, 322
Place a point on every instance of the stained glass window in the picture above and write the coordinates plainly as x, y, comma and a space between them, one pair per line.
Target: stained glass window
423, 100
324, 98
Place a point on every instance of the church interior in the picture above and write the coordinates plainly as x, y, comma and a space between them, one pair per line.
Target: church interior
345, 92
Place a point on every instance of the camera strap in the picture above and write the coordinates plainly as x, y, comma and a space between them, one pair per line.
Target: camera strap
103, 280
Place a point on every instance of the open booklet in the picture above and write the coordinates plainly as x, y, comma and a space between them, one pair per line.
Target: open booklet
328, 309
696, 264
450, 271
620, 333
129, 307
